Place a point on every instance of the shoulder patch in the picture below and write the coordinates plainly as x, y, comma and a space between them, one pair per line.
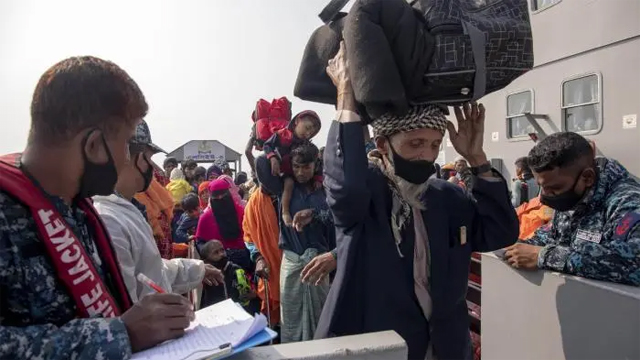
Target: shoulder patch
627, 223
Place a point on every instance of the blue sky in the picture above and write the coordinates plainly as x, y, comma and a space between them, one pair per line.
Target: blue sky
202, 64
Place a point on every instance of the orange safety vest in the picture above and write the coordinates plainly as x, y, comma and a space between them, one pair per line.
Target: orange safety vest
532, 215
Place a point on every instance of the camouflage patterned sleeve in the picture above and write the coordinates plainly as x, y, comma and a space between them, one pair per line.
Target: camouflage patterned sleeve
78, 339
615, 259
541, 236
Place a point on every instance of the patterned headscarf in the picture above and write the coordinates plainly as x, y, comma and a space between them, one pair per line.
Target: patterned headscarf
233, 188
418, 117
204, 186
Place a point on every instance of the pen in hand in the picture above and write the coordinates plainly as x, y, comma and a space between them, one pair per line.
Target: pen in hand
145, 280
158, 289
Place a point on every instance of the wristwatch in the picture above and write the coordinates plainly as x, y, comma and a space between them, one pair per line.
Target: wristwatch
477, 170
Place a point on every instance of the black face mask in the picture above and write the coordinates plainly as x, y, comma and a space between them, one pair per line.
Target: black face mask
413, 171
97, 179
564, 201
220, 264
147, 176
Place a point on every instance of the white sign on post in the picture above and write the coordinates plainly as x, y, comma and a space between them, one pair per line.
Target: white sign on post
203, 150
630, 121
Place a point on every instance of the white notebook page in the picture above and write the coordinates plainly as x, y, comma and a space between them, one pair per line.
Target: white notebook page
222, 323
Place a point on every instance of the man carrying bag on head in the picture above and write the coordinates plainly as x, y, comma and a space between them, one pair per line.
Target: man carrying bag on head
398, 226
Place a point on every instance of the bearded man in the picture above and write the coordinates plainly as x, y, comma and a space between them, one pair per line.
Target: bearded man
405, 239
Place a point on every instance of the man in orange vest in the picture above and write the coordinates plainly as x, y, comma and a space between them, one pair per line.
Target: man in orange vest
63, 296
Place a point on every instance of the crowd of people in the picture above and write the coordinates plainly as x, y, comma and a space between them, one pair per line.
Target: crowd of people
366, 235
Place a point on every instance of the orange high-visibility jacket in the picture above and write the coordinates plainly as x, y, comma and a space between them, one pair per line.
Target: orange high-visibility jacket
532, 215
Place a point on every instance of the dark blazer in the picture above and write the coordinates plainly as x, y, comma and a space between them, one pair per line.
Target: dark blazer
373, 287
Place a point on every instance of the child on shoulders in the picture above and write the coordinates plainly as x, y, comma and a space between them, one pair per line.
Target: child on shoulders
303, 127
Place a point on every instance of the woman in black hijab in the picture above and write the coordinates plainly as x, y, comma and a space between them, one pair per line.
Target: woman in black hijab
222, 220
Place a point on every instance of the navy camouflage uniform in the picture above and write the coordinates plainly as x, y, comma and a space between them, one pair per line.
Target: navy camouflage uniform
600, 238
37, 314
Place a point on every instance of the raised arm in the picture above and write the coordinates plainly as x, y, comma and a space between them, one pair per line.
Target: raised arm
248, 150
273, 184
495, 224
345, 160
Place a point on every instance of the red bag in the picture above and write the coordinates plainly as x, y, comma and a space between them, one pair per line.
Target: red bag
270, 117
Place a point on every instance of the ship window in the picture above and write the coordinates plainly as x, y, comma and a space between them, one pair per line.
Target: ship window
517, 105
581, 104
541, 4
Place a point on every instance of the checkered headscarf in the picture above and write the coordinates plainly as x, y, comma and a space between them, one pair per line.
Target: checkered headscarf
418, 117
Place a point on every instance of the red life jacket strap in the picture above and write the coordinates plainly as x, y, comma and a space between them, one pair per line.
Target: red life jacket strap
74, 267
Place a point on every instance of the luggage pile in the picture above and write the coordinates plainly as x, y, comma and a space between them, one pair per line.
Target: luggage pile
424, 51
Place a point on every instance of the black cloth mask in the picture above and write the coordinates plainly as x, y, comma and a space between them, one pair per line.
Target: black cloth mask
220, 264
413, 171
97, 179
147, 176
564, 201
226, 216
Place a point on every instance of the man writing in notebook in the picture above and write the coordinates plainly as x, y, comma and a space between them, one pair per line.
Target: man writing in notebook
63, 296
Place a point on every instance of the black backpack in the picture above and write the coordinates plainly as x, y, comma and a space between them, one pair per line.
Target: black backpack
424, 51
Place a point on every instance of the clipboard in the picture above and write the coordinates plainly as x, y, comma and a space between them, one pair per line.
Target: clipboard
219, 331
258, 339
223, 352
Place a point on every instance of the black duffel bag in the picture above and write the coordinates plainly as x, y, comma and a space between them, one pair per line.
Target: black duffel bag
425, 51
